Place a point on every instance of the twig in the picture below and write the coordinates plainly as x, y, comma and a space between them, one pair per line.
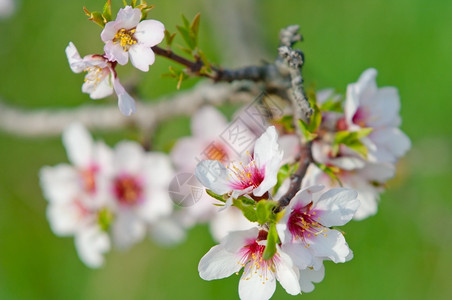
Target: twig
302, 110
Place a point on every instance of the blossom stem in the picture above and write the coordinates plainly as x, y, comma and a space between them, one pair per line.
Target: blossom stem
305, 159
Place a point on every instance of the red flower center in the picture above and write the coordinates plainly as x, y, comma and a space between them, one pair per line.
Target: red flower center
128, 189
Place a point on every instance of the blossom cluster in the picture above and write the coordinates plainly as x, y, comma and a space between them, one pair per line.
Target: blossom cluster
108, 196
128, 36
354, 146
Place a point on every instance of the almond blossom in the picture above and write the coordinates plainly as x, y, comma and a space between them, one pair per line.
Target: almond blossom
366, 105
77, 194
139, 186
207, 124
305, 228
255, 177
127, 36
101, 78
367, 181
244, 249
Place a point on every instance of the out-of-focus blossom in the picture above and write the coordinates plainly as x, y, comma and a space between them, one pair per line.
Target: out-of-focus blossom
77, 194
366, 105
139, 186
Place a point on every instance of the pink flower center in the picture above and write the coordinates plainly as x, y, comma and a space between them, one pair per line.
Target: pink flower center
253, 262
243, 177
303, 224
360, 117
88, 179
125, 38
128, 189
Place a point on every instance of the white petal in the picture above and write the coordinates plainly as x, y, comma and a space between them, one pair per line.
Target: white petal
208, 123
141, 57
126, 103
228, 220
300, 255
98, 90
64, 218
266, 148
308, 276
60, 184
392, 140
236, 240
156, 205
218, 263
158, 170
128, 157
115, 52
331, 244
305, 196
253, 287
186, 153
213, 175
91, 244
75, 61
168, 232
377, 172
127, 229
109, 32
78, 144
150, 32
128, 17
337, 206
287, 275
384, 108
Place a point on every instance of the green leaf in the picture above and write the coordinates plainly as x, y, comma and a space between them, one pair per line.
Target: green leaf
315, 120
194, 27
351, 139
133, 3
248, 210
306, 132
169, 37
105, 218
186, 37
331, 172
331, 105
106, 13
213, 195
186, 22
272, 241
264, 211
95, 16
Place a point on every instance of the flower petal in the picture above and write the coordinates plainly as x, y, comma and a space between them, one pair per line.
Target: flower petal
141, 57
308, 276
128, 17
79, 145
115, 52
253, 287
213, 175
91, 244
150, 32
331, 243
218, 263
337, 206
287, 275
75, 61
126, 103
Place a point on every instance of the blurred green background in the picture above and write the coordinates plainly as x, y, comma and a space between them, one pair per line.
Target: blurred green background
404, 252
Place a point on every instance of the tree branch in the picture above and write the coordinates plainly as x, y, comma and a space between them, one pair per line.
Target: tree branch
48, 122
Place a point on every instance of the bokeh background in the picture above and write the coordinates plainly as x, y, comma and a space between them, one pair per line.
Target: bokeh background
404, 252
